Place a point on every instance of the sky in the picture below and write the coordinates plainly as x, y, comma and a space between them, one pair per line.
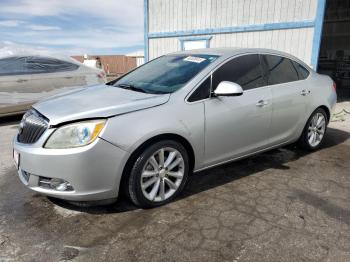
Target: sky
73, 27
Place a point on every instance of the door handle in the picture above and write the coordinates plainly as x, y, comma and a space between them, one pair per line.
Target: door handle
261, 103
304, 92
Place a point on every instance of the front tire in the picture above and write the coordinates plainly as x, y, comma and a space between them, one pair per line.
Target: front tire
159, 174
314, 131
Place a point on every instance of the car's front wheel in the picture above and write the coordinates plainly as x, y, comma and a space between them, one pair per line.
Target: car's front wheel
314, 130
159, 174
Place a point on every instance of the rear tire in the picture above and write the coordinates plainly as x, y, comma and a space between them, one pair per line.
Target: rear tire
158, 175
314, 131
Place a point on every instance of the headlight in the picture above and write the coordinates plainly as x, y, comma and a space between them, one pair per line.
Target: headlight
75, 135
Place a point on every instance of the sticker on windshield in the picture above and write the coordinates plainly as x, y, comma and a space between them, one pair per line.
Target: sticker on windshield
194, 59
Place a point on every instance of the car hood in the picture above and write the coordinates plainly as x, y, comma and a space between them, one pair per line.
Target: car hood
94, 102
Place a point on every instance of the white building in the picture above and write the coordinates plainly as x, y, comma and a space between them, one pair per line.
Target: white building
293, 26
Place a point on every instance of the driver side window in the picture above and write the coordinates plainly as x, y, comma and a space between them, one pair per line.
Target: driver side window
12, 66
244, 70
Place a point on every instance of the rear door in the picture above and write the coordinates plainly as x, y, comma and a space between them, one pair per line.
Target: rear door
289, 97
50, 76
238, 125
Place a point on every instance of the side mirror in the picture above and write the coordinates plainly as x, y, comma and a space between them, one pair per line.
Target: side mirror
226, 88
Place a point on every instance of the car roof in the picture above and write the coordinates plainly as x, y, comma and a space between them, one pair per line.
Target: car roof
49, 56
229, 51
226, 52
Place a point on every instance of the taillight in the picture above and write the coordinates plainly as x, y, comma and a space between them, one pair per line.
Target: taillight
101, 75
334, 87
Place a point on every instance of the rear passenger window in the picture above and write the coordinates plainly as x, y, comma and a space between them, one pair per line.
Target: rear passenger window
280, 70
244, 70
303, 73
38, 65
202, 92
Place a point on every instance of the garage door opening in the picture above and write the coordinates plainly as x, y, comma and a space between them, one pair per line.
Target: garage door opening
334, 58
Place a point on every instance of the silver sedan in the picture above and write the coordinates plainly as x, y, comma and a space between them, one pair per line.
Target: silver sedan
184, 112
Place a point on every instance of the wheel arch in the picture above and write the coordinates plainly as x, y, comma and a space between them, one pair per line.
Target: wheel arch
326, 109
166, 136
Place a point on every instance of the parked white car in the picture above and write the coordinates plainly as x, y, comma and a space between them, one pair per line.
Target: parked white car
26, 79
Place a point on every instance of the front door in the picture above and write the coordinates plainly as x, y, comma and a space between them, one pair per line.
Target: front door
13, 85
238, 125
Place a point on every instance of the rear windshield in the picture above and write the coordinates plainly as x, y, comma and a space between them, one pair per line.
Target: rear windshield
165, 74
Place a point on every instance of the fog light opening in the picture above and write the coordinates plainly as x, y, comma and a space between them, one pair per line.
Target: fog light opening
60, 185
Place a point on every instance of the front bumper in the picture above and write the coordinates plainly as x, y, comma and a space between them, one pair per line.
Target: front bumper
94, 171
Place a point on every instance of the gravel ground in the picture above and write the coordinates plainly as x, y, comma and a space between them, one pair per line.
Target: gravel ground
282, 205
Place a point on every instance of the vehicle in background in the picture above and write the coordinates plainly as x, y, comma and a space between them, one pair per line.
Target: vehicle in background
26, 79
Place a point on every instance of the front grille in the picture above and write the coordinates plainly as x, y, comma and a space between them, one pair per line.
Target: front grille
32, 126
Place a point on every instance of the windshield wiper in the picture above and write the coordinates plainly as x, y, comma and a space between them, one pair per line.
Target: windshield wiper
156, 92
131, 87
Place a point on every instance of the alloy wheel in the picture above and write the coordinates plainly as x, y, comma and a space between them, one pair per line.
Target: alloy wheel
162, 174
316, 130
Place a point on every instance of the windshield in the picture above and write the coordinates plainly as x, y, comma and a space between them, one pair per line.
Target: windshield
165, 74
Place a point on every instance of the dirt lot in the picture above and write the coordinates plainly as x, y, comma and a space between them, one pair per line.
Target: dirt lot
283, 205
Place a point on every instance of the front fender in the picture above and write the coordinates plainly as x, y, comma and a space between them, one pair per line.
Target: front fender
130, 130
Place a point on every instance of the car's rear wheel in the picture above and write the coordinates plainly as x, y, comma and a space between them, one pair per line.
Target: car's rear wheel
314, 130
159, 174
